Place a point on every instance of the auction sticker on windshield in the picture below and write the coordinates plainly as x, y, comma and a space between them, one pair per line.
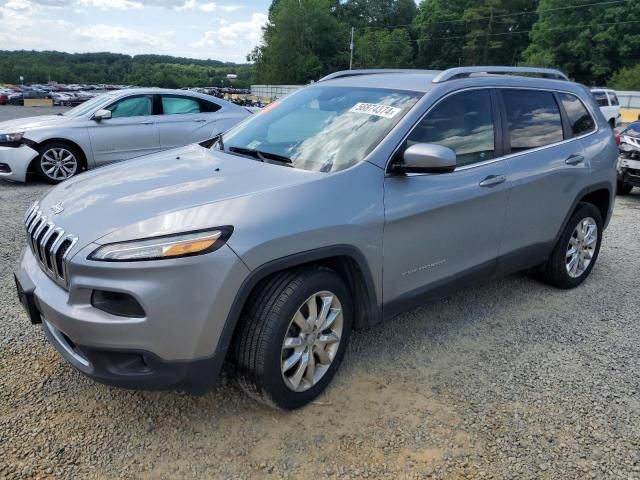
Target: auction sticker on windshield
375, 109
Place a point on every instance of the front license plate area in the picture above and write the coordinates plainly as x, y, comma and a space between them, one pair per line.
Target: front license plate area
27, 300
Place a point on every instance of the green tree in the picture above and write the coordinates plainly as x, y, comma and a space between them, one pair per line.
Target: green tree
626, 78
472, 32
302, 41
377, 13
588, 42
383, 49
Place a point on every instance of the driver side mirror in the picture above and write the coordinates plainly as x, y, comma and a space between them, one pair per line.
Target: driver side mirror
427, 158
101, 114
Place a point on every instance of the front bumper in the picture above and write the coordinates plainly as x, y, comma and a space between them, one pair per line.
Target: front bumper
629, 171
174, 346
14, 162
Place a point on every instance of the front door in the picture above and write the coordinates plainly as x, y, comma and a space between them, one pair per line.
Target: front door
443, 229
130, 132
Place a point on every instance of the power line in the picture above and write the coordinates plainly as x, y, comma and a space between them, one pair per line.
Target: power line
502, 15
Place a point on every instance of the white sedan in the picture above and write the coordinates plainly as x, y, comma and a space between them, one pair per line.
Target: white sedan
109, 128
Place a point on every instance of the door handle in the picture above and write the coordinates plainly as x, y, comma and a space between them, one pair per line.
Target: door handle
147, 122
574, 159
493, 180
200, 120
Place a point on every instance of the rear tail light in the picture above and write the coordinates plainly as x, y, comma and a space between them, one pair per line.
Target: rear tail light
617, 138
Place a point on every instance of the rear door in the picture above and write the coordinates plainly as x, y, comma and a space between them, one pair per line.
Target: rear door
548, 168
130, 132
442, 229
184, 119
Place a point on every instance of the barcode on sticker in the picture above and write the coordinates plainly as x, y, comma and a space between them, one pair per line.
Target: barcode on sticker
375, 109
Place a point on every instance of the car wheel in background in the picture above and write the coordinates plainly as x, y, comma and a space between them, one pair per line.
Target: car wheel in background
292, 337
57, 162
577, 249
623, 188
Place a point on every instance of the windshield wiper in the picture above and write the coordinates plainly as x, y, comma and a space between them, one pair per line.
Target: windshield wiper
261, 155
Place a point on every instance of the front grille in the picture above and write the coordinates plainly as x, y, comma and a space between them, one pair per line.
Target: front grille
50, 245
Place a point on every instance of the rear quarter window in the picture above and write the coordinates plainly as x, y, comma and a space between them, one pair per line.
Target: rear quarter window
580, 120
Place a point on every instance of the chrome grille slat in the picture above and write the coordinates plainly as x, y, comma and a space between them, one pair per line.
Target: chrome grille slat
45, 240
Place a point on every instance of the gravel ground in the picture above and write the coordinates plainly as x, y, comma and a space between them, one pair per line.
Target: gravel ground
509, 379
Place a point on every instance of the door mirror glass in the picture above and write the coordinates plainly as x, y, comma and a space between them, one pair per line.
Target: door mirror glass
428, 158
102, 114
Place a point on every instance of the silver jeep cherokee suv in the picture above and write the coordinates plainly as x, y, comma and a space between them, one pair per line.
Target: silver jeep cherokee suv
340, 206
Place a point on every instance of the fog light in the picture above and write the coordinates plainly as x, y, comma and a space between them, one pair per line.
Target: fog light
117, 303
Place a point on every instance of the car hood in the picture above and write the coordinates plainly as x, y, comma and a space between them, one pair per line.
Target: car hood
25, 124
178, 190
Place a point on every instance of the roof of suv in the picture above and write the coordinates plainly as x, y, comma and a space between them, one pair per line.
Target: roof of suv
426, 80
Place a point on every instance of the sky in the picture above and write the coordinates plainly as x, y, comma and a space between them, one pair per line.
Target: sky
224, 30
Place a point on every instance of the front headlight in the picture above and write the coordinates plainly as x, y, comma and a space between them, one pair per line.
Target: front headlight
166, 246
11, 138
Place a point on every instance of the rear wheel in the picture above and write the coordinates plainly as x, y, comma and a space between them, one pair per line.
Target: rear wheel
292, 337
623, 188
577, 250
57, 162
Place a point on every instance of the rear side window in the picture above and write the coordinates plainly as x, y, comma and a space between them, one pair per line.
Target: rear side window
580, 120
533, 119
464, 123
601, 98
179, 105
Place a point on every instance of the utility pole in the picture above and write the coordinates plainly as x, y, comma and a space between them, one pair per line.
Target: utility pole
351, 50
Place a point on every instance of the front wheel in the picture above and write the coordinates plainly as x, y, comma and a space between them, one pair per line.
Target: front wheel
577, 250
57, 162
293, 335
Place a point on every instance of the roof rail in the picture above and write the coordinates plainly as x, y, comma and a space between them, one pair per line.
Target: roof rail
464, 72
373, 71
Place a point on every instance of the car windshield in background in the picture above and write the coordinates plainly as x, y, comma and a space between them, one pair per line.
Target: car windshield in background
87, 106
322, 129
633, 130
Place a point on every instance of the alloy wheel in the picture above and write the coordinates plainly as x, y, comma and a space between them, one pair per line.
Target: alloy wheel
312, 341
58, 163
582, 247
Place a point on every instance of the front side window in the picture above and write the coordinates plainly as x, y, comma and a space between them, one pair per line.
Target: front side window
464, 123
579, 118
614, 99
174, 105
138, 106
533, 119
321, 128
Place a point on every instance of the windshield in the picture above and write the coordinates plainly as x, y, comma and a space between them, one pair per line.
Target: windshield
322, 129
633, 130
89, 105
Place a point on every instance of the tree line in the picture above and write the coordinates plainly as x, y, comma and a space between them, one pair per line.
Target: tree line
595, 42
113, 68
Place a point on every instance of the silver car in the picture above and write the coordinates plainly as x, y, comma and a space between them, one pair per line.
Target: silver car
111, 127
340, 206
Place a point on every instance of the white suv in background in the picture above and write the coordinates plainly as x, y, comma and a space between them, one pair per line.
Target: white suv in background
609, 104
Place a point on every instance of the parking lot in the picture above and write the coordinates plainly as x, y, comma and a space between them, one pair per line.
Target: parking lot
509, 379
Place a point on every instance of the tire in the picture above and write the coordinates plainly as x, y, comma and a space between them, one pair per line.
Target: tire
264, 368
58, 161
623, 188
612, 123
557, 269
